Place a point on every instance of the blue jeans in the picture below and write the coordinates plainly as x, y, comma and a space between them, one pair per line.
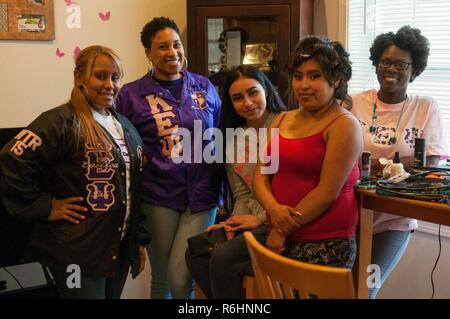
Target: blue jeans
228, 265
387, 249
170, 230
96, 287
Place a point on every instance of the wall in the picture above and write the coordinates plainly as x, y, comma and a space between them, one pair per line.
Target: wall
33, 79
330, 19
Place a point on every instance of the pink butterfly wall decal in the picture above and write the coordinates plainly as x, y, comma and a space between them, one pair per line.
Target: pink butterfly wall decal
59, 53
76, 53
104, 17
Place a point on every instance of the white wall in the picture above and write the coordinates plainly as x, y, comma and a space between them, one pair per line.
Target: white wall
33, 79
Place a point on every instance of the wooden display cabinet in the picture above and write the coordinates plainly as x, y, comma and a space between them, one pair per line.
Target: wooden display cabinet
224, 33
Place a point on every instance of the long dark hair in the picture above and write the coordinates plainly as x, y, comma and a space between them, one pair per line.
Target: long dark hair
228, 117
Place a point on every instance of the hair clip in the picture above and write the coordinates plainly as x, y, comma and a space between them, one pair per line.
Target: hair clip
303, 55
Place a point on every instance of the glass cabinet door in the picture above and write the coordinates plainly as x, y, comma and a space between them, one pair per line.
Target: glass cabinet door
247, 40
226, 33
244, 35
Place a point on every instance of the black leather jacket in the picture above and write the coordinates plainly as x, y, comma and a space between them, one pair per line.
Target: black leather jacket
43, 162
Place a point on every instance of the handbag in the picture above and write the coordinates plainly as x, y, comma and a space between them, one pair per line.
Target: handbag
206, 242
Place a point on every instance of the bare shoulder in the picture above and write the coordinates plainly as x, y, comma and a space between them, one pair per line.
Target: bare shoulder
287, 115
345, 123
346, 118
276, 121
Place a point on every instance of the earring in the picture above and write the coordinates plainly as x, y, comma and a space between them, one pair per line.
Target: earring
85, 92
83, 89
185, 61
150, 64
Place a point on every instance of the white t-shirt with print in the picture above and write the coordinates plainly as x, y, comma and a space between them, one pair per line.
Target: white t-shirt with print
113, 126
420, 118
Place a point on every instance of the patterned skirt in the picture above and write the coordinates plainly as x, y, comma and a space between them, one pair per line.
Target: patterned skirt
335, 252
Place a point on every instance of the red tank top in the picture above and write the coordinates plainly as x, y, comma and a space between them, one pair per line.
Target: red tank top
300, 163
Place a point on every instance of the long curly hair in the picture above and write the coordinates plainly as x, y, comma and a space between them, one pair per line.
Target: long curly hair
332, 58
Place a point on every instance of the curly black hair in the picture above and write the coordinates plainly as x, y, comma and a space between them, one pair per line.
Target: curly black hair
154, 26
408, 39
332, 58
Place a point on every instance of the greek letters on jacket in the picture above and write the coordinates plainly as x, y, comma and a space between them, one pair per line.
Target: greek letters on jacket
42, 163
156, 114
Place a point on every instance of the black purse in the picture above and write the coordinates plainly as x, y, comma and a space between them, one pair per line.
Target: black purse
206, 242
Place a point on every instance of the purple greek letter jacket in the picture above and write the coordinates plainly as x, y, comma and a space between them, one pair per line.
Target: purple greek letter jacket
156, 114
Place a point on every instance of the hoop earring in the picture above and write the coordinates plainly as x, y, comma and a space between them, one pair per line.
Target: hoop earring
85, 92
185, 61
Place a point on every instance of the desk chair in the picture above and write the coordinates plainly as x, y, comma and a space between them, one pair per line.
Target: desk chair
279, 277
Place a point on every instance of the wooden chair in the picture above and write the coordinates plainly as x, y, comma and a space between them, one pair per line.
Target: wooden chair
248, 282
251, 289
279, 277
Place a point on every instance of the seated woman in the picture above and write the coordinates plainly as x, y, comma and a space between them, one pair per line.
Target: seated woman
309, 201
391, 119
249, 103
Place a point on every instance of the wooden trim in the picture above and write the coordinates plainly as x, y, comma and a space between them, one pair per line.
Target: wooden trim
435, 212
343, 22
306, 19
27, 7
214, 3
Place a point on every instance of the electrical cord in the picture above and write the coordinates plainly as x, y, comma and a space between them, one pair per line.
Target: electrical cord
437, 259
14, 277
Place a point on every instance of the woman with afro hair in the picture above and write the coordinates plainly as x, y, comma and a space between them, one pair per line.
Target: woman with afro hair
391, 120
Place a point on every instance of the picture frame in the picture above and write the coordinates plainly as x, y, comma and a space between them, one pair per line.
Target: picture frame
260, 54
27, 20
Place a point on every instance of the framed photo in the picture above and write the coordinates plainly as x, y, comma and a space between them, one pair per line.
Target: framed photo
27, 20
259, 54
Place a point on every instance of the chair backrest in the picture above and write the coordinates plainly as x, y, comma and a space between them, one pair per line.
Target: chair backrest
279, 277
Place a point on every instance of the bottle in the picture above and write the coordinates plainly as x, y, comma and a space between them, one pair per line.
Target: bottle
396, 166
420, 160
365, 166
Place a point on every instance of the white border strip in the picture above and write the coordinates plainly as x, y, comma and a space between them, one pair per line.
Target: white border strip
432, 229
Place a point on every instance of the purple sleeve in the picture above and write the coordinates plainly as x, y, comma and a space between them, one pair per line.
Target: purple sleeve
122, 102
217, 104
